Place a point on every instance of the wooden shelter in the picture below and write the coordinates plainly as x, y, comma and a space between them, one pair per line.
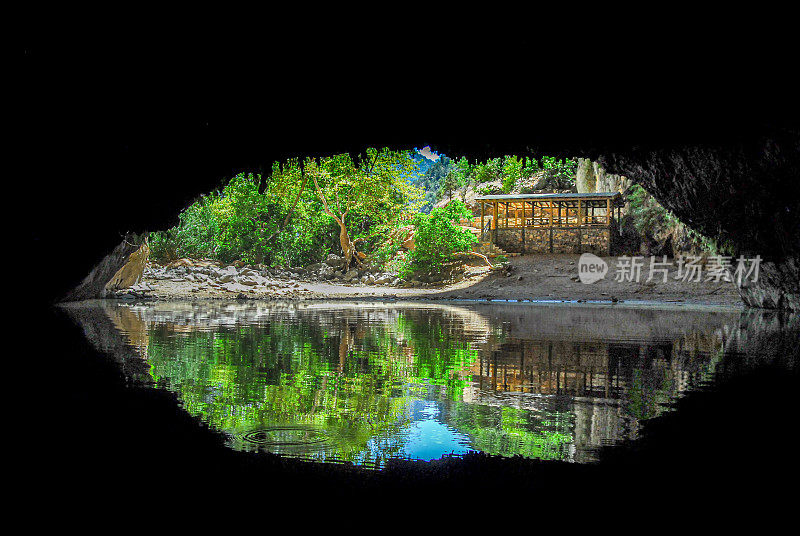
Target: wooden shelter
570, 222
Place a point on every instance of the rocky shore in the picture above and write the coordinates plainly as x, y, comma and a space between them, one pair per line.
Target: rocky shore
551, 277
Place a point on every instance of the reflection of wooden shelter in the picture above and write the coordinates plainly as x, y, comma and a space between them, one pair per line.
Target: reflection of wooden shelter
536, 212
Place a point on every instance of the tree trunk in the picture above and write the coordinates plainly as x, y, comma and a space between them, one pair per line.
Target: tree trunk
348, 246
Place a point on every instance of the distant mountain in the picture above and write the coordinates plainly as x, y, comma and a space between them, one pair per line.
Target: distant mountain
429, 178
423, 162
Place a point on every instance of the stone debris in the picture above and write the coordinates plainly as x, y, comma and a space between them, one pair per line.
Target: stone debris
239, 279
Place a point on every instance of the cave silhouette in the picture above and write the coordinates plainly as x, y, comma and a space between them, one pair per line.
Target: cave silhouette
121, 137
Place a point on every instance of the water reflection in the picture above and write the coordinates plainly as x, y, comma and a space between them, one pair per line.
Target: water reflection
365, 382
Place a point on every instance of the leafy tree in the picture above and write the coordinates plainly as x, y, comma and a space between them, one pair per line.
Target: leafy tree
562, 171
374, 187
489, 171
457, 177
438, 237
512, 172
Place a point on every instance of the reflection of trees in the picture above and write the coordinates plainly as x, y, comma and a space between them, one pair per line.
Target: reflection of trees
510, 431
345, 376
356, 371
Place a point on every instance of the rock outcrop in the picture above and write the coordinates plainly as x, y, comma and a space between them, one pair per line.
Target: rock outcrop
95, 284
745, 195
131, 273
591, 177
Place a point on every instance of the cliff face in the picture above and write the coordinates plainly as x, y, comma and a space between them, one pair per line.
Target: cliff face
592, 177
743, 194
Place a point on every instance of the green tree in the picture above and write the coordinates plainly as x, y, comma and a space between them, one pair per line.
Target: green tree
562, 171
375, 187
512, 172
438, 237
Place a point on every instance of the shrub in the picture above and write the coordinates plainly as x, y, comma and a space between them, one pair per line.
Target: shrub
163, 246
651, 219
437, 238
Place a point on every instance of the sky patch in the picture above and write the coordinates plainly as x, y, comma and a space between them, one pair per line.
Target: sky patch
428, 153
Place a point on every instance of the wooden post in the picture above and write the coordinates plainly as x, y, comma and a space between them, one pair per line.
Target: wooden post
495, 220
483, 209
608, 212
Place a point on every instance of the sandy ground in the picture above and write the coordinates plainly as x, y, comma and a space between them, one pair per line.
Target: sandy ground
530, 277
555, 277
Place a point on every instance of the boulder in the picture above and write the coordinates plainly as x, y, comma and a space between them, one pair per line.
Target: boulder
235, 287
384, 279
131, 273
335, 261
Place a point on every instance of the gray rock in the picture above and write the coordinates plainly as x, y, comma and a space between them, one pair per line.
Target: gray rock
235, 287
335, 261
384, 279
352, 274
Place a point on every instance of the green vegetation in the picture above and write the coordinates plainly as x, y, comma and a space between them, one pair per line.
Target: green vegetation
648, 214
299, 214
373, 192
446, 178
651, 219
439, 238
350, 206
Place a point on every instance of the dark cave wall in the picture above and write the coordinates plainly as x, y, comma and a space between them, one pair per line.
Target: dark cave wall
744, 194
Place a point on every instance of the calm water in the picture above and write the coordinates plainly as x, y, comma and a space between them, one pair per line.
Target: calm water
365, 382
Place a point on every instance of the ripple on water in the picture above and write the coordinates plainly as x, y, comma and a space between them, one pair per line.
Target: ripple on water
286, 436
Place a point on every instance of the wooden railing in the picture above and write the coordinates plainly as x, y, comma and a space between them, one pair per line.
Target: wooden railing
539, 221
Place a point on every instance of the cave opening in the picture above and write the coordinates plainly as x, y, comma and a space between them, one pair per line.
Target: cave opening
696, 206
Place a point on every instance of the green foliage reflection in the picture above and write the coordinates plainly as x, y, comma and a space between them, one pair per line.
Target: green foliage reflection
352, 380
